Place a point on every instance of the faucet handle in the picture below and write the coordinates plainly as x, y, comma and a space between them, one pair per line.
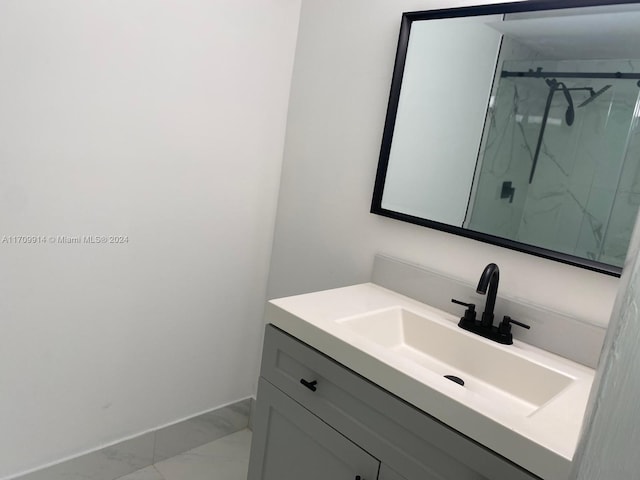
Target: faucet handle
469, 313
504, 329
507, 320
505, 325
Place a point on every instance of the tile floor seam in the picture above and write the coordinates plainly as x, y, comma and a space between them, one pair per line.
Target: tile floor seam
227, 456
158, 471
153, 452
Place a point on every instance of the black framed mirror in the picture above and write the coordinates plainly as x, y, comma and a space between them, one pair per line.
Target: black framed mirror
516, 124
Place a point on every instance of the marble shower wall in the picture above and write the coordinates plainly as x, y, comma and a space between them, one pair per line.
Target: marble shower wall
582, 174
508, 153
505, 138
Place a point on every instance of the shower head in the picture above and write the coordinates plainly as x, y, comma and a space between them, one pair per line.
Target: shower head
570, 115
593, 95
554, 86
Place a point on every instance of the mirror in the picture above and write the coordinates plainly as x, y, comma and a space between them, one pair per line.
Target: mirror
517, 124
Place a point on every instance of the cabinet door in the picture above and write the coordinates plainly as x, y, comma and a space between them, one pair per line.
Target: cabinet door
290, 443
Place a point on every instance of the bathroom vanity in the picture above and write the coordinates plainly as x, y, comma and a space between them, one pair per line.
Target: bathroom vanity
353, 386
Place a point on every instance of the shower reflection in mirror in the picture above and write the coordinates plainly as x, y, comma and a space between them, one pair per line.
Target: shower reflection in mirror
562, 149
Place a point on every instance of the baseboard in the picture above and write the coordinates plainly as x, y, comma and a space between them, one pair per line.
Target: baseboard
133, 454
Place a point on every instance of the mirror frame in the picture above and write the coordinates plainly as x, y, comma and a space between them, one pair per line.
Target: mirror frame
396, 84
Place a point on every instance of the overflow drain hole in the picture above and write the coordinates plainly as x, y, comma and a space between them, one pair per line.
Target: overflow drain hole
453, 378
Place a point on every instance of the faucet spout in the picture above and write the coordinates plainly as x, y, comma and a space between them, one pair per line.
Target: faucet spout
488, 285
489, 280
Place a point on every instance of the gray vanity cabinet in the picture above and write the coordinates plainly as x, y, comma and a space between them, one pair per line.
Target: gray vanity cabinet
313, 413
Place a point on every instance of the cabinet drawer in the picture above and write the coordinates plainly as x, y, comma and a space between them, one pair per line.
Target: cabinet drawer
409, 441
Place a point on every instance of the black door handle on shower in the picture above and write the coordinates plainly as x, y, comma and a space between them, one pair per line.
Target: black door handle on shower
310, 385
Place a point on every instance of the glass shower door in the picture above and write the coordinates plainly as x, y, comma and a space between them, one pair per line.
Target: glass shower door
551, 170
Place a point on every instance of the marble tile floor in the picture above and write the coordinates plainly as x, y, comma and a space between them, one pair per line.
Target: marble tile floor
224, 459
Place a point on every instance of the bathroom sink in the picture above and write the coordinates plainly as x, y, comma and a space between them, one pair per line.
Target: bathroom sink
487, 368
523, 403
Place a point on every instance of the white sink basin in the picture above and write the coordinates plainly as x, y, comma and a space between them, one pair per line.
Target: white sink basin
487, 368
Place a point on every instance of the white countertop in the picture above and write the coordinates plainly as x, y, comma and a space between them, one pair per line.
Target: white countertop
542, 442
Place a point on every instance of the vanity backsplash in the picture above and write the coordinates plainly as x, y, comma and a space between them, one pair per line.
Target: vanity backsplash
569, 337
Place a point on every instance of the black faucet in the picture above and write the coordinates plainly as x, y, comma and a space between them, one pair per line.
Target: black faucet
484, 327
489, 278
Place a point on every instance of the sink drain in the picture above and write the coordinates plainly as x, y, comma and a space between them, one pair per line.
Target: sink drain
453, 378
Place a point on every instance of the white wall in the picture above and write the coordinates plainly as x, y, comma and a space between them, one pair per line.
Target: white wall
163, 121
325, 236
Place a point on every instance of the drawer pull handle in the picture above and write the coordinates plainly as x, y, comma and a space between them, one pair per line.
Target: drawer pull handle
310, 385
358, 477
